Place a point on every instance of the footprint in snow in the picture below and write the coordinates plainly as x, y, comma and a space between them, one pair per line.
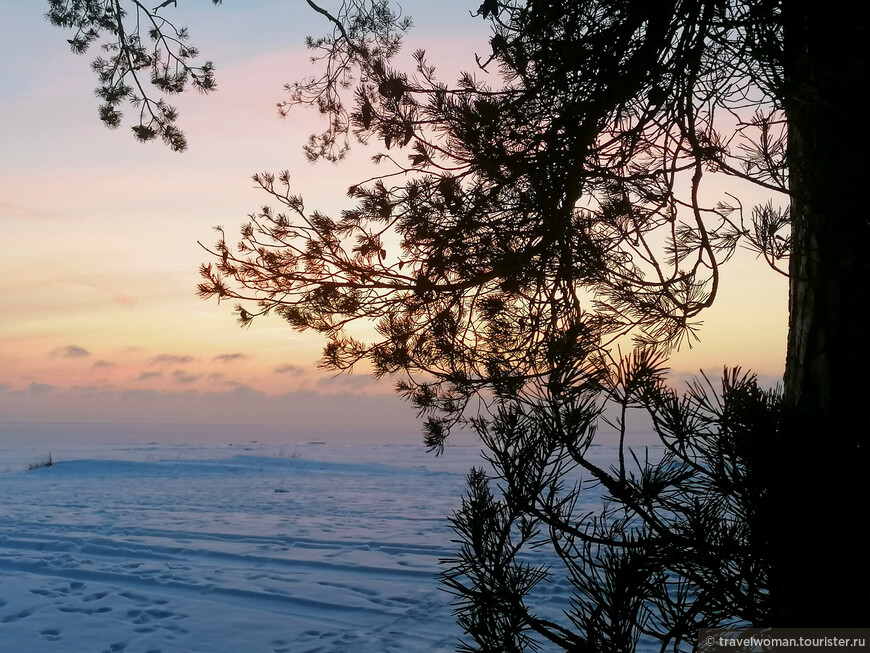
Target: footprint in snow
116, 648
280, 646
38, 593
139, 599
87, 611
18, 616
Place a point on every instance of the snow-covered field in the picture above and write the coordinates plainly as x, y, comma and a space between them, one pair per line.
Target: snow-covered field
176, 548
166, 545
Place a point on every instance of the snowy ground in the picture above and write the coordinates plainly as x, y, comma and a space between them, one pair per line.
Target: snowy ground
205, 547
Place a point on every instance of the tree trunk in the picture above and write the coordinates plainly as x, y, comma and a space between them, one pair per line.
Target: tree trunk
820, 568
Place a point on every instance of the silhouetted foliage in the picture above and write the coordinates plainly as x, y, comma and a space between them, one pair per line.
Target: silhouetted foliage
142, 48
546, 210
673, 547
520, 220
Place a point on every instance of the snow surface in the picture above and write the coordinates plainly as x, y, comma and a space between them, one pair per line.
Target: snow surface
203, 547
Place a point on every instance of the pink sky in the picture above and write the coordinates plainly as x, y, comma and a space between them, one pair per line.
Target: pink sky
98, 238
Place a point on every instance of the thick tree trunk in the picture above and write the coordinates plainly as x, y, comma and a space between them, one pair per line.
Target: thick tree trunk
820, 566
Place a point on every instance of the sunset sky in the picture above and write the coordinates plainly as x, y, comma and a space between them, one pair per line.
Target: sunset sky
99, 321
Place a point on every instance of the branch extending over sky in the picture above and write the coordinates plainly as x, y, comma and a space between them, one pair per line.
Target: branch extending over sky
555, 207
145, 53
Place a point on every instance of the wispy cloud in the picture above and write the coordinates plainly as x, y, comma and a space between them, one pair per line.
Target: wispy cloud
148, 375
40, 389
288, 369
183, 377
170, 359
71, 351
103, 364
229, 358
238, 391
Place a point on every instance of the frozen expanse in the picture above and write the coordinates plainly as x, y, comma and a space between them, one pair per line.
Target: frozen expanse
210, 545
297, 547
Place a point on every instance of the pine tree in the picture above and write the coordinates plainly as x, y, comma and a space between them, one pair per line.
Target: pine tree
523, 230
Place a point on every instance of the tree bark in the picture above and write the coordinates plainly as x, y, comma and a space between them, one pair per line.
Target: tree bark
817, 466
